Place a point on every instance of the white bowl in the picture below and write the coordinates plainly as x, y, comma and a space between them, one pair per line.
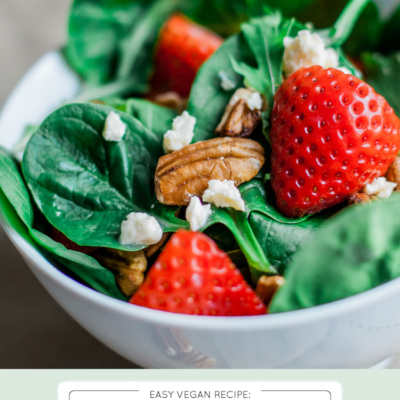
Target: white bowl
357, 332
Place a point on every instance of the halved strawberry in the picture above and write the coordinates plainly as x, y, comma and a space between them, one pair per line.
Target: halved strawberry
330, 135
182, 48
192, 276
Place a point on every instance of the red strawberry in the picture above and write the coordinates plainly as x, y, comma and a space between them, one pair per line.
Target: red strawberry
182, 48
192, 276
330, 135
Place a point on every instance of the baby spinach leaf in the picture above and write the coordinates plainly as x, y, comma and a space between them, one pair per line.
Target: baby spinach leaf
85, 185
280, 241
18, 211
383, 74
154, 117
354, 251
95, 29
207, 99
114, 40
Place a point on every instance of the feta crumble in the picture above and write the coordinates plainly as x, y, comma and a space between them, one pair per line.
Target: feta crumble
226, 83
197, 214
224, 194
305, 50
254, 102
114, 128
181, 134
380, 187
140, 229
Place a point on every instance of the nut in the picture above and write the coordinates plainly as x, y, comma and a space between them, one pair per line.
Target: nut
238, 120
186, 173
360, 198
128, 266
152, 249
267, 286
393, 173
171, 100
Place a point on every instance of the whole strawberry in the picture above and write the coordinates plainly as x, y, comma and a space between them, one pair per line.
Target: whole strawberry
182, 48
192, 276
330, 135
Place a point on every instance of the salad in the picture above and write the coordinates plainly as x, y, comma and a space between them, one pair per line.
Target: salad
224, 159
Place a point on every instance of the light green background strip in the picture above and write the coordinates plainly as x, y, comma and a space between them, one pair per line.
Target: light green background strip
43, 384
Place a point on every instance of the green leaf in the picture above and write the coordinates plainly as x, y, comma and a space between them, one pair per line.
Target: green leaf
85, 185
224, 16
94, 33
366, 33
264, 37
207, 99
17, 209
383, 74
256, 200
113, 41
344, 25
154, 117
389, 40
354, 251
280, 241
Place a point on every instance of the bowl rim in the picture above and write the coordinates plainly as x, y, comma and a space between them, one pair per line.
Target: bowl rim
319, 313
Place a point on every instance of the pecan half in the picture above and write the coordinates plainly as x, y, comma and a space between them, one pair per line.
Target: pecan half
267, 286
128, 266
238, 119
186, 173
393, 173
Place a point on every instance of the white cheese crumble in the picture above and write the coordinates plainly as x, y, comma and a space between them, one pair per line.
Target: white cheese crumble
114, 128
224, 194
254, 102
181, 134
140, 229
380, 187
197, 214
305, 50
226, 83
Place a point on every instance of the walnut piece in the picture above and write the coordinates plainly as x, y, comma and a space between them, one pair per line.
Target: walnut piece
128, 266
267, 286
186, 173
238, 119
360, 198
393, 173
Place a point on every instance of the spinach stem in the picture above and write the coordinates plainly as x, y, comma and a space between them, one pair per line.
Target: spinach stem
248, 243
116, 88
344, 25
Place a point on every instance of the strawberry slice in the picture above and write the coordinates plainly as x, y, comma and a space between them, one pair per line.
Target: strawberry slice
182, 48
192, 276
330, 135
